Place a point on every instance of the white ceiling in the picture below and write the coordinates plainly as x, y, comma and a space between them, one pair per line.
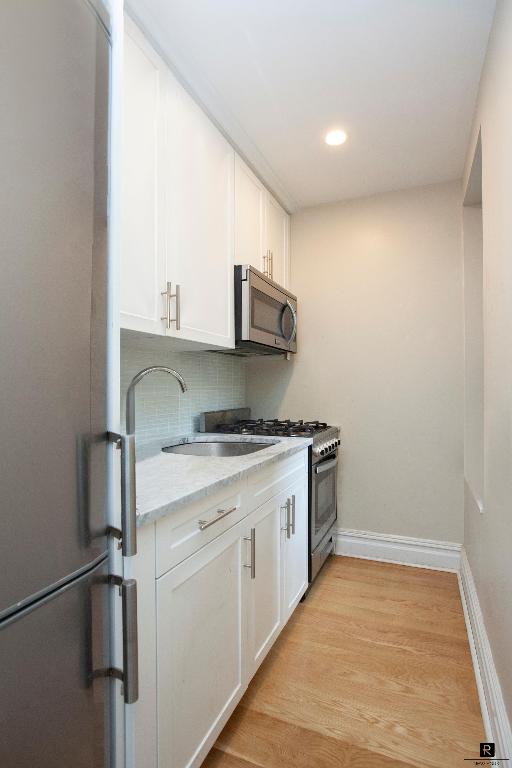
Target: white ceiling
399, 76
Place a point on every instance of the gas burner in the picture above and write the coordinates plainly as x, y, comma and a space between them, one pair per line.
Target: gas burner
274, 427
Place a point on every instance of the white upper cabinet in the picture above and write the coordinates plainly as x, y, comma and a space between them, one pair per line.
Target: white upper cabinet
249, 217
261, 227
277, 235
190, 211
199, 221
178, 207
142, 254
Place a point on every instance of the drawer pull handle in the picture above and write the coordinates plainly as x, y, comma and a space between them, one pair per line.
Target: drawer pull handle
221, 513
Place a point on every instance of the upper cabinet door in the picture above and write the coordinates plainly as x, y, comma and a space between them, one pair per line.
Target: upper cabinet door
249, 217
142, 252
277, 238
199, 221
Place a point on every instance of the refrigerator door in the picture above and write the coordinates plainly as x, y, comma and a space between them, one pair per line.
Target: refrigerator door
54, 90
54, 701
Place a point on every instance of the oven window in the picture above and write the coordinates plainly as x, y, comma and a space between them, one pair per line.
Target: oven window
269, 315
325, 500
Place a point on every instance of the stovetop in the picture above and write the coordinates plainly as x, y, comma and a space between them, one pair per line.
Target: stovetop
274, 427
237, 421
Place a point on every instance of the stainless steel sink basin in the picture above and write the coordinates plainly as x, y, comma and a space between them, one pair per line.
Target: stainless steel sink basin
215, 448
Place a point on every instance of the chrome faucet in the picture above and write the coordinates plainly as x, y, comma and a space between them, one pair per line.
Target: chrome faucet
130, 393
127, 443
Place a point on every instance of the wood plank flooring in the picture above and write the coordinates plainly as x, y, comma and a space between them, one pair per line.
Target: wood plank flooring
373, 669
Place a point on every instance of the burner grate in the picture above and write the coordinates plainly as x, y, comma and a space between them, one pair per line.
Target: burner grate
274, 427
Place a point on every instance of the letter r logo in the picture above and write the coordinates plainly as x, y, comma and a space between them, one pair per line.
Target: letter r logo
487, 750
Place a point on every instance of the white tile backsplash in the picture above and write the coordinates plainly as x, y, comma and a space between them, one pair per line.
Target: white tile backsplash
214, 381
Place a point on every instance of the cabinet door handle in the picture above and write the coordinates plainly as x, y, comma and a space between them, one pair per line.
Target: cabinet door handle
177, 296
271, 256
252, 539
168, 296
288, 525
293, 514
221, 514
167, 293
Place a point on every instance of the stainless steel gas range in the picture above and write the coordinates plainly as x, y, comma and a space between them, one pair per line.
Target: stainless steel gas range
323, 463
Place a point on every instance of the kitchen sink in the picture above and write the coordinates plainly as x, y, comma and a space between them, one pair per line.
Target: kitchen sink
216, 448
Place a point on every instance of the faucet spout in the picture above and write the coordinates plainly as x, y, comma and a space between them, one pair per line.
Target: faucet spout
130, 393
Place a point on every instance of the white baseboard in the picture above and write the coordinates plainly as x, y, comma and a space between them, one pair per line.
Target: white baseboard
494, 714
404, 550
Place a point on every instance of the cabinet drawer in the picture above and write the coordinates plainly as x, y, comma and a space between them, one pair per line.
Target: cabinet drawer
185, 531
269, 482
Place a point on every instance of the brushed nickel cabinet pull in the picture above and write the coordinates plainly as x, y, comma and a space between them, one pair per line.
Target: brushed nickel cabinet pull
167, 316
252, 539
288, 525
168, 296
178, 308
221, 513
293, 514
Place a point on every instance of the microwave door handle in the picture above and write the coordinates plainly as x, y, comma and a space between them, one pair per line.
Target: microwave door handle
325, 466
294, 317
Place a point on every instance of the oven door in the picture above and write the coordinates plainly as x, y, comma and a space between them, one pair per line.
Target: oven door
269, 314
323, 498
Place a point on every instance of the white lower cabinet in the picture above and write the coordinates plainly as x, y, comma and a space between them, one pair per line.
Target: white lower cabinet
263, 604
209, 620
294, 559
200, 626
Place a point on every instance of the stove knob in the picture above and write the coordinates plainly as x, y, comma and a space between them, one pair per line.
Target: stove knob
339, 442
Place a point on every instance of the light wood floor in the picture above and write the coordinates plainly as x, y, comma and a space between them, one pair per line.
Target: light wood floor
373, 669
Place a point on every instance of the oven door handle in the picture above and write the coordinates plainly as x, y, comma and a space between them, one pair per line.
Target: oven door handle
325, 466
290, 306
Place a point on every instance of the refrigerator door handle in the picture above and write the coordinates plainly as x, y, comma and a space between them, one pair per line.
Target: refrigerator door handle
129, 675
128, 536
130, 641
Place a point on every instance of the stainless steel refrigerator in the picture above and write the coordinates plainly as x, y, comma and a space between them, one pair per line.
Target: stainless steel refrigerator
54, 584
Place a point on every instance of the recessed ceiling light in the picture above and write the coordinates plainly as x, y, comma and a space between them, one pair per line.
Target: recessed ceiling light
335, 138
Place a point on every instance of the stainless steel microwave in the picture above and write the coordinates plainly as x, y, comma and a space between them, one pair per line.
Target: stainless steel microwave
265, 314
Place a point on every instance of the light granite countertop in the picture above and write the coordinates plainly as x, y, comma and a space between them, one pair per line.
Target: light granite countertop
168, 481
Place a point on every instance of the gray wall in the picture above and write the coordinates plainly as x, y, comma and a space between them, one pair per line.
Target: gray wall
214, 381
488, 536
379, 282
